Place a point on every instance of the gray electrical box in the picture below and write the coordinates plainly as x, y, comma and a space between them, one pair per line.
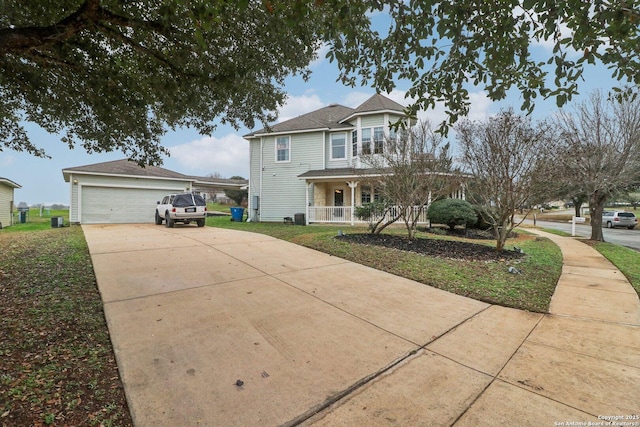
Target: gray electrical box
255, 202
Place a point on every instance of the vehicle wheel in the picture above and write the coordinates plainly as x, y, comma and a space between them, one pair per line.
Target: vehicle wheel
168, 219
200, 222
609, 224
158, 219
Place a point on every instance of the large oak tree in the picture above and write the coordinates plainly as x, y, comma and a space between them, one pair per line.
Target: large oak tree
599, 149
115, 75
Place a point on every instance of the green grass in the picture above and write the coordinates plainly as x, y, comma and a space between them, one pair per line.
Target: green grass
219, 207
57, 363
486, 281
36, 222
627, 260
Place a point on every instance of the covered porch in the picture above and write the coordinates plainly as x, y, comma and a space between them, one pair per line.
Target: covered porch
332, 196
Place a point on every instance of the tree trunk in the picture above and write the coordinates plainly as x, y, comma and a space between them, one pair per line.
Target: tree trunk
577, 207
501, 236
596, 206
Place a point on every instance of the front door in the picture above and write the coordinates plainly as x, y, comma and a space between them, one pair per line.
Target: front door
338, 201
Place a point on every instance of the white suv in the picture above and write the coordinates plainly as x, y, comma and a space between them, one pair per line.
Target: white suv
184, 207
612, 219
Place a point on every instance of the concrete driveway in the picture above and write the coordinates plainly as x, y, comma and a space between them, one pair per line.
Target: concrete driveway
227, 328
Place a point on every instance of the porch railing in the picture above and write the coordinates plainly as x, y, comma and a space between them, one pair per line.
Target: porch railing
342, 214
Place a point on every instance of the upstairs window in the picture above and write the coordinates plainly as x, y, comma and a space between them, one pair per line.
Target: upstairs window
373, 140
283, 149
354, 143
378, 140
338, 146
366, 141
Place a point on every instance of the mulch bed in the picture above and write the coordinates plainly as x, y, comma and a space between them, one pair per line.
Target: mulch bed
435, 247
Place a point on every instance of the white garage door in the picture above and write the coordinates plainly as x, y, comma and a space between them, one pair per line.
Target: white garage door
105, 205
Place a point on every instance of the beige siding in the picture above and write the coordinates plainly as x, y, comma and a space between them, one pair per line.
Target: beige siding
6, 199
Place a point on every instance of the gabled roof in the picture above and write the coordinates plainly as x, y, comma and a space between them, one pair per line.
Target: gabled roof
376, 104
334, 116
123, 167
9, 183
325, 118
379, 103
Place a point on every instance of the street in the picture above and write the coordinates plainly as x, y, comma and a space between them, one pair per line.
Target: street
619, 236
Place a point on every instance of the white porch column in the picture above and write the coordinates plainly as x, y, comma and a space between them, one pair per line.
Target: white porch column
306, 214
352, 185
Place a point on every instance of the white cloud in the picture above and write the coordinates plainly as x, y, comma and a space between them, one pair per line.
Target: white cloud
7, 160
355, 98
297, 105
228, 156
321, 56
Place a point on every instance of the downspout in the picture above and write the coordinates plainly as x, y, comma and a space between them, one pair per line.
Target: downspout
259, 210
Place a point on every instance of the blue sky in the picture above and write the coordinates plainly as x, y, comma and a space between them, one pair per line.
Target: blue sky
225, 151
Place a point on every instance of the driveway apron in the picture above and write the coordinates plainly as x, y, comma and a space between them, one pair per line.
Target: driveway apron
229, 328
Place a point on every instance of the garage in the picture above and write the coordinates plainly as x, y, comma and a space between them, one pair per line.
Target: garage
121, 191
103, 205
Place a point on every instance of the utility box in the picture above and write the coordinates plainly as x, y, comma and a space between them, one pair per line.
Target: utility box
299, 219
57, 221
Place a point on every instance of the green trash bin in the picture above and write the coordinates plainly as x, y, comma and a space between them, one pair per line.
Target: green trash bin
23, 217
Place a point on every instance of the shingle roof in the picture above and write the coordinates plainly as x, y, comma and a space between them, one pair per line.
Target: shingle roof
125, 167
379, 103
325, 118
338, 172
10, 183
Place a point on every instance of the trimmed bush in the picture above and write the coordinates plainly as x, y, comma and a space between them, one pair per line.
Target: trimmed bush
452, 212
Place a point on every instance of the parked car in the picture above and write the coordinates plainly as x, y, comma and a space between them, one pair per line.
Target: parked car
612, 219
184, 208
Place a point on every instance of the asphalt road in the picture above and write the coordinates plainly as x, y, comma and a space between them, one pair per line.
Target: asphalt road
619, 236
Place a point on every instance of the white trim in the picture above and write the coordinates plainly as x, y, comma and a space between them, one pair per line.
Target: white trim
119, 175
371, 113
275, 146
331, 158
288, 132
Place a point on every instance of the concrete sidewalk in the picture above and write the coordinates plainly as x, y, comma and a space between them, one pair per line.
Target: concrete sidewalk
220, 327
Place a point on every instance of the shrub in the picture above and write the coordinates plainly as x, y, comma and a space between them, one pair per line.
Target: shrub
452, 212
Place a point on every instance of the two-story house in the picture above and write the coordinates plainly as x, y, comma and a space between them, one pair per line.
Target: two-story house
312, 164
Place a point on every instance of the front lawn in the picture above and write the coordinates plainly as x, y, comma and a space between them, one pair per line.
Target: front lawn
57, 365
530, 288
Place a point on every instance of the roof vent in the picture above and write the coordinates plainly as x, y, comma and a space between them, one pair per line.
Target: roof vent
333, 105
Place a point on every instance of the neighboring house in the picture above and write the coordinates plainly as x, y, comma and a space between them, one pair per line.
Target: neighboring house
6, 201
120, 191
312, 164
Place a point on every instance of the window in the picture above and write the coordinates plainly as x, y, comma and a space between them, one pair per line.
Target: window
283, 148
354, 143
365, 195
338, 146
373, 139
368, 195
366, 141
378, 140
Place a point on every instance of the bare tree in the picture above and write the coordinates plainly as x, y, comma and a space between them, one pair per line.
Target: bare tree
412, 168
599, 147
507, 157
